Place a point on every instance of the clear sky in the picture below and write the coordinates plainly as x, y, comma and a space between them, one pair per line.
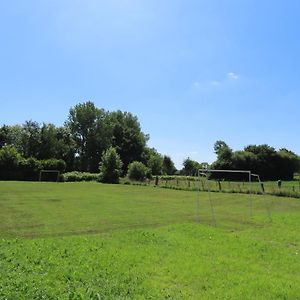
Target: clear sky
192, 71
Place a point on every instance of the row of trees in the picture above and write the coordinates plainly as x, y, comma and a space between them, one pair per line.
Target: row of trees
111, 168
261, 159
86, 134
13, 166
89, 132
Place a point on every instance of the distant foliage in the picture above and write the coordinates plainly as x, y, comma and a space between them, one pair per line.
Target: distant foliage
168, 167
260, 159
127, 137
13, 166
87, 132
155, 164
80, 176
9, 158
137, 171
110, 166
53, 164
190, 167
29, 168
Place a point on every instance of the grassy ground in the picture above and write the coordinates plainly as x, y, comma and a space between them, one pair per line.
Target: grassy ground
147, 246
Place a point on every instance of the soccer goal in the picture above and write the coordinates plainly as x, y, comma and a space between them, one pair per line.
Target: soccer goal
204, 184
49, 175
226, 205
267, 203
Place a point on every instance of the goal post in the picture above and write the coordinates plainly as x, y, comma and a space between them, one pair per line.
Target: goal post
268, 203
205, 173
55, 173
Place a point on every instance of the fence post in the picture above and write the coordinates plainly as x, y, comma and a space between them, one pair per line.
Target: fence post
279, 184
220, 186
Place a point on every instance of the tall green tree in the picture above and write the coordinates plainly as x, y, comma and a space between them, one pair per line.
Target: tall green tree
155, 164
91, 132
127, 137
31, 139
168, 167
110, 166
66, 147
12, 135
190, 167
49, 146
9, 158
4, 131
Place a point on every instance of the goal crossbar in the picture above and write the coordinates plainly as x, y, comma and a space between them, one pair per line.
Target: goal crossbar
223, 171
205, 172
49, 171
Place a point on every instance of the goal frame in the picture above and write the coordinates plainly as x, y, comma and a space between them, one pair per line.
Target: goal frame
49, 171
205, 172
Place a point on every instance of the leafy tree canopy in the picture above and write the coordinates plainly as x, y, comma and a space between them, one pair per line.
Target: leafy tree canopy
110, 166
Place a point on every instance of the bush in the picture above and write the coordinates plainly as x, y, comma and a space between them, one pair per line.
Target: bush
80, 176
15, 167
9, 158
30, 164
110, 166
137, 171
155, 164
29, 169
53, 164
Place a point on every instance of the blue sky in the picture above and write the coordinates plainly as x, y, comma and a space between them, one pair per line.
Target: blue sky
192, 71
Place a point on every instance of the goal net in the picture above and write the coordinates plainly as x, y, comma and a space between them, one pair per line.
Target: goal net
228, 196
49, 175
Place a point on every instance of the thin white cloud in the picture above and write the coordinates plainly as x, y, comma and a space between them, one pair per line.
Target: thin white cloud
232, 76
229, 77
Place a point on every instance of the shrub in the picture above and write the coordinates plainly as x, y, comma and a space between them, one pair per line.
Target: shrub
15, 167
110, 166
53, 164
28, 169
155, 164
137, 171
30, 164
80, 176
9, 158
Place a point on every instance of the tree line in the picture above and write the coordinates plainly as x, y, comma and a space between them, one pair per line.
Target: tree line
81, 142
259, 159
91, 137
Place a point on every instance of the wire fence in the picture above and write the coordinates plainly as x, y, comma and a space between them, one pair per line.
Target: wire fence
276, 188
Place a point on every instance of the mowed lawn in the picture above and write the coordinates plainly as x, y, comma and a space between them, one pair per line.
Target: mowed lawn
96, 241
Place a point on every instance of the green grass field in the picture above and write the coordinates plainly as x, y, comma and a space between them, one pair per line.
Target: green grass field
96, 241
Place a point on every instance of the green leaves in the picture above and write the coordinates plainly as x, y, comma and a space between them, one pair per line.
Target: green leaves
137, 171
9, 158
110, 166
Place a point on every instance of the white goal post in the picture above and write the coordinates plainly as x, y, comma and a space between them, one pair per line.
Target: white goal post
205, 172
49, 171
